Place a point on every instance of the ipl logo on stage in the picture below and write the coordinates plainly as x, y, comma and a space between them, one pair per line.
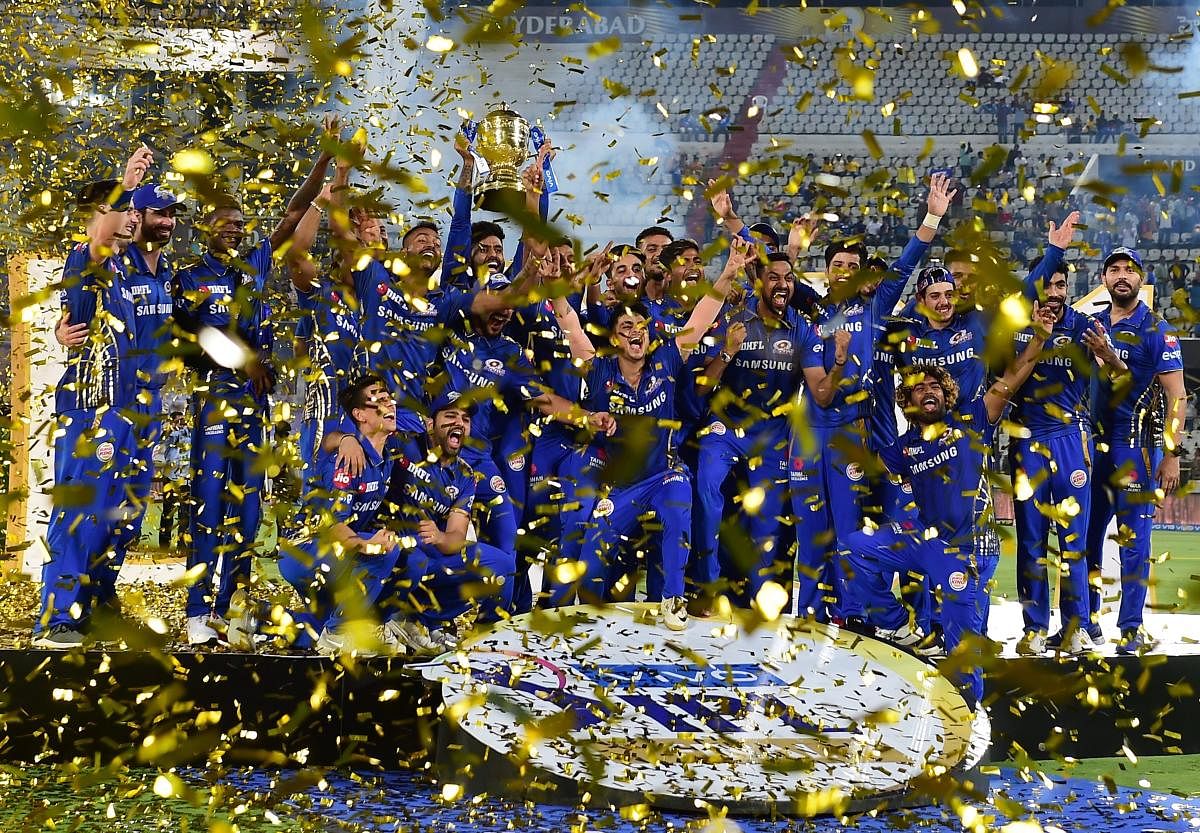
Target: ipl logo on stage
791, 717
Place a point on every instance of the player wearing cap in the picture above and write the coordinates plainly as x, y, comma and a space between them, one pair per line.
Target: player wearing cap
754, 367
827, 487
1139, 385
446, 575
95, 444
342, 559
635, 474
219, 298
1051, 462
945, 455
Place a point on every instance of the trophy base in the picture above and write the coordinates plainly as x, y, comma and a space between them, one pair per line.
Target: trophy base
507, 201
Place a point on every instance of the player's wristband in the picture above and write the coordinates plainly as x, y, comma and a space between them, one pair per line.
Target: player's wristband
312, 206
726, 357
1177, 451
932, 221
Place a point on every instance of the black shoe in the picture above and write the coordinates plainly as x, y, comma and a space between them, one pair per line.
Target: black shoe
855, 624
58, 637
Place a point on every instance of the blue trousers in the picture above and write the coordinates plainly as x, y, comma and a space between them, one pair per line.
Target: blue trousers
1057, 469
759, 450
1123, 485
313, 577
146, 415
440, 587
875, 557
228, 476
826, 490
94, 454
661, 503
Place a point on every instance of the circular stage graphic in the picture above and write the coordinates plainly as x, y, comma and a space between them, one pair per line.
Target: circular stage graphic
790, 717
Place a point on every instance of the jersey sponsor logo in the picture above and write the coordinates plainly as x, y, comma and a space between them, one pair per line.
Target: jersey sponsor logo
516, 462
961, 336
105, 451
1078, 478
957, 581
497, 484
717, 428
734, 722
604, 508
854, 471
341, 478
1171, 341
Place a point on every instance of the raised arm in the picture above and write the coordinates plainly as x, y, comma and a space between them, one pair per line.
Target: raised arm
894, 283
1058, 240
1015, 375
709, 307
722, 206
582, 349
458, 239
801, 235
301, 268
297, 207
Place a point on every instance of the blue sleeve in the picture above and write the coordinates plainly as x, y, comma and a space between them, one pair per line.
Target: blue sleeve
518, 260
1169, 355
894, 459
186, 309
670, 357
365, 287
464, 501
261, 260
744, 233
1049, 264
894, 283
455, 307
458, 242
78, 293
814, 352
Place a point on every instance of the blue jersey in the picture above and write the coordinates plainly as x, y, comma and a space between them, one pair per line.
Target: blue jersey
948, 471
647, 423
1129, 415
229, 296
333, 341
100, 372
884, 430
1053, 401
766, 373
404, 333
456, 257
153, 305
500, 380
432, 490
536, 327
336, 496
865, 319
959, 348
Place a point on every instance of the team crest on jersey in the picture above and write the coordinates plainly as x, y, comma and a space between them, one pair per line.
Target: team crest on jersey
497, 484
452, 491
1061, 341
341, 478
783, 347
854, 309
854, 471
717, 428
958, 581
516, 462
494, 365
1078, 478
604, 508
960, 337
654, 384
105, 451
167, 286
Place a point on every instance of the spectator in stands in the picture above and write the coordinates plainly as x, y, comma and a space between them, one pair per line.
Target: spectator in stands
966, 161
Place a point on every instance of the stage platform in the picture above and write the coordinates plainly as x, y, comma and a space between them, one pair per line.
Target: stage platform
171, 707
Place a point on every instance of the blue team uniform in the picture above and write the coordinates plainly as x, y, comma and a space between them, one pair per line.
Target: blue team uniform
310, 563
1056, 460
403, 335
95, 444
750, 426
434, 581
229, 434
959, 348
1128, 453
623, 479
332, 336
954, 544
827, 488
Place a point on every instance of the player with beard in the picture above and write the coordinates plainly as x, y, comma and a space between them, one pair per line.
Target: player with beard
225, 292
945, 456
624, 480
754, 367
827, 486
498, 380
1140, 385
651, 241
95, 444
1051, 463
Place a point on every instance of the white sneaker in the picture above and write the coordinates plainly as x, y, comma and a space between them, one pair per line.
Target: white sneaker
1078, 643
414, 637
330, 643
445, 639
673, 610
200, 630
1032, 644
911, 638
243, 626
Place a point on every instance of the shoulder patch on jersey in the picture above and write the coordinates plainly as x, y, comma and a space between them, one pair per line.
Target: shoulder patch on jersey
1078, 478
604, 508
957, 581
516, 462
497, 484
717, 428
105, 451
854, 471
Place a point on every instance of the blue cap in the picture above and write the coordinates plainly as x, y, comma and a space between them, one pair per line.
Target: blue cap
153, 196
765, 231
101, 192
1124, 253
447, 397
931, 275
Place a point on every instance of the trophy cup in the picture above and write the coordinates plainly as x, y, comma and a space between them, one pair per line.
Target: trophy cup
503, 141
